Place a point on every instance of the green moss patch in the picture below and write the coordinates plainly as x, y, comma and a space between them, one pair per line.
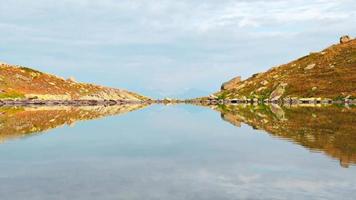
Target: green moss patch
12, 95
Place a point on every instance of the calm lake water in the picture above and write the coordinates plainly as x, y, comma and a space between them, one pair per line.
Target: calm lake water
178, 152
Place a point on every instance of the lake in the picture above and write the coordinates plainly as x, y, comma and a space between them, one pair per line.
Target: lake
178, 152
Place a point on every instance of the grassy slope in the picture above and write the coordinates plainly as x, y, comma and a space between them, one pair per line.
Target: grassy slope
21, 82
333, 76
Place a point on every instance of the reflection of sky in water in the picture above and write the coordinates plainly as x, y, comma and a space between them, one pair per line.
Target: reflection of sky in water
174, 152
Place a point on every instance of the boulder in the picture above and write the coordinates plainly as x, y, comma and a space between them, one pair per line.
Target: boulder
212, 97
21, 77
264, 82
233, 83
344, 39
71, 79
278, 92
310, 66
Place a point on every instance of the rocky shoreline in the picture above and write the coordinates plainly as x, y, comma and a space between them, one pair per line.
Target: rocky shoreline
208, 101
293, 101
68, 102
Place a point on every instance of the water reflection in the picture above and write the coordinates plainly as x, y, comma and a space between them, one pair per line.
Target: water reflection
17, 122
329, 129
176, 152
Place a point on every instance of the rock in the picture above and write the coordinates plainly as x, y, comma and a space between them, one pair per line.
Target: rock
310, 66
24, 78
233, 83
240, 86
71, 79
314, 88
284, 84
34, 74
278, 92
256, 75
213, 97
261, 88
344, 39
264, 82
326, 101
308, 100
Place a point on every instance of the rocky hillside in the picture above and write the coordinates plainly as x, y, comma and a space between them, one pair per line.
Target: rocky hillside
328, 74
18, 82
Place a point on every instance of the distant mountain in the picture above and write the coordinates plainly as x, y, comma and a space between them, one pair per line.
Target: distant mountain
329, 74
17, 82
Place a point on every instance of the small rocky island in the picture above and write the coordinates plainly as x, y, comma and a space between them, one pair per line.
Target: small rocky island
328, 76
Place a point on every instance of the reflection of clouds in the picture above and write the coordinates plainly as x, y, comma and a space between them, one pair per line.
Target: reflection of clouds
249, 179
205, 158
154, 178
310, 185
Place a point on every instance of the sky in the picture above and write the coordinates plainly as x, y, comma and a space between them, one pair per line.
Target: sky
167, 48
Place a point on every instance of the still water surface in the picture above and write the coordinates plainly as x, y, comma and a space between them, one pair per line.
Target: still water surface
178, 152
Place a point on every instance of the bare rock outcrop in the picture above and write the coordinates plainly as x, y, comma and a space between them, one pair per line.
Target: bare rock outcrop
278, 92
231, 84
344, 39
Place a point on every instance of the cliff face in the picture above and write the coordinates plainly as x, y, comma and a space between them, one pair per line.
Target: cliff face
18, 82
329, 74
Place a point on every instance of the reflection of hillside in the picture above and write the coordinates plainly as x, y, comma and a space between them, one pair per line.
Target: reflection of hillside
330, 129
18, 122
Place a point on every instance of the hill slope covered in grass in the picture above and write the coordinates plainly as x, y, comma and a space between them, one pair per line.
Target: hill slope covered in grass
18, 82
328, 74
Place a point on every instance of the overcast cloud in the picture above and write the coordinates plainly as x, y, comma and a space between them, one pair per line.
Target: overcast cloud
167, 48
